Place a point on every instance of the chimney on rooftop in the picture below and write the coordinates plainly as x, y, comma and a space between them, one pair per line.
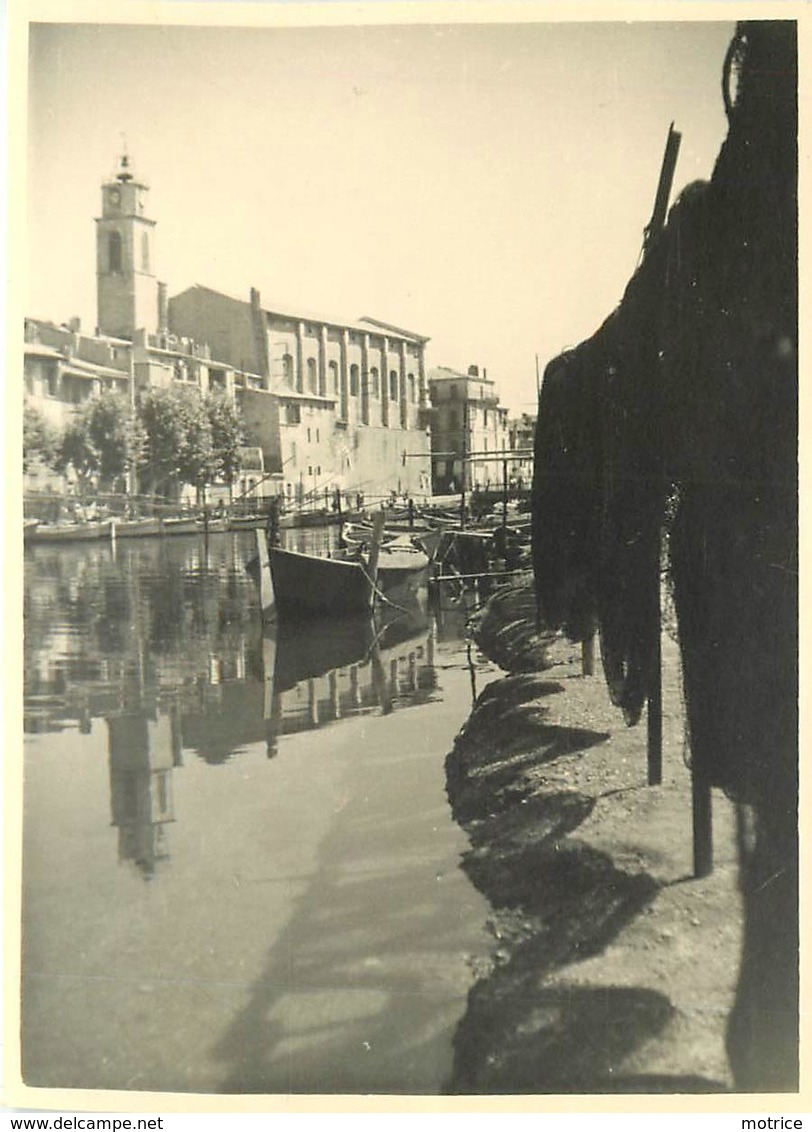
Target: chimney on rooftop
473, 371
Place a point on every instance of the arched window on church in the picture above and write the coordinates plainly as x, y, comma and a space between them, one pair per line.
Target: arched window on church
353, 381
312, 376
145, 251
114, 251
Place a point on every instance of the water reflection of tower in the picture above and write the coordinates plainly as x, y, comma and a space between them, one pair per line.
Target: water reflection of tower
144, 748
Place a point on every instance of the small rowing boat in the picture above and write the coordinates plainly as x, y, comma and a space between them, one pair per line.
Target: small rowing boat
359, 534
71, 532
138, 528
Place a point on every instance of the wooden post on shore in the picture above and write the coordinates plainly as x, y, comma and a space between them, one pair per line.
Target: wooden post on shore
655, 705
588, 656
702, 824
655, 690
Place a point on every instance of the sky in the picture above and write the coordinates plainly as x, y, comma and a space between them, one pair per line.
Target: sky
486, 185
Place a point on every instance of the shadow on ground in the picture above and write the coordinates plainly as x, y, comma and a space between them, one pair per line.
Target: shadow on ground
556, 900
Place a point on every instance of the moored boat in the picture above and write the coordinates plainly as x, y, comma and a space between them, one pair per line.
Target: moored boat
420, 535
247, 522
71, 532
213, 526
182, 525
294, 585
137, 528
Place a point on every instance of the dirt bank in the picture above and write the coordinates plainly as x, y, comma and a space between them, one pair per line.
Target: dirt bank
614, 969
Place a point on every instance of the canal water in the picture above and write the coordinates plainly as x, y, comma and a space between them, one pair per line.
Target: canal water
240, 869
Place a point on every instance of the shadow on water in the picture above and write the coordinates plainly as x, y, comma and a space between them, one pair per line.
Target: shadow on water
362, 989
558, 901
368, 974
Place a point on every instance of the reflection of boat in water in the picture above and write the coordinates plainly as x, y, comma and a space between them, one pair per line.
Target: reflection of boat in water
304, 652
315, 675
304, 676
294, 585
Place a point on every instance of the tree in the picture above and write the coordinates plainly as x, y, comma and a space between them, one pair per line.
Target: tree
115, 434
104, 439
75, 451
197, 457
178, 440
227, 436
41, 442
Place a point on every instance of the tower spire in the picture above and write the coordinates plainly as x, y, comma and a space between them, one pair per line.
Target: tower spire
124, 171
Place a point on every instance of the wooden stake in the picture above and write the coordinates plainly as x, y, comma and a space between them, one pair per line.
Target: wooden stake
655, 707
375, 548
266, 594
703, 824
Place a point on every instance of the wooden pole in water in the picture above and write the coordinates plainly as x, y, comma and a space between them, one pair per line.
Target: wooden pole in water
374, 552
266, 594
465, 455
504, 493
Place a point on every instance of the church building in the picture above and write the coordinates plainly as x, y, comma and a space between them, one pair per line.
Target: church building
350, 400
330, 405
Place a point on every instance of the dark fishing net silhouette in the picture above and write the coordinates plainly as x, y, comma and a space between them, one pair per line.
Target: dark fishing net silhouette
675, 427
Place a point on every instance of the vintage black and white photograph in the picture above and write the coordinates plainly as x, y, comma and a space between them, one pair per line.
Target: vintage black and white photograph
410, 558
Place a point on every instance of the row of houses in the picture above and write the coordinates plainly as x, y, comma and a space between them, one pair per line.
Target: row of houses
327, 404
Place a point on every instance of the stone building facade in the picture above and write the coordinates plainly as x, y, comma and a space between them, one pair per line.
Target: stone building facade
521, 441
64, 368
467, 425
349, 407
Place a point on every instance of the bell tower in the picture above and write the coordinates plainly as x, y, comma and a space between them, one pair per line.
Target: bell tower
126, 286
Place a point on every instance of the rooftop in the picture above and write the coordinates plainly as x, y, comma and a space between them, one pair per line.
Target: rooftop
364, 325
445, 373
